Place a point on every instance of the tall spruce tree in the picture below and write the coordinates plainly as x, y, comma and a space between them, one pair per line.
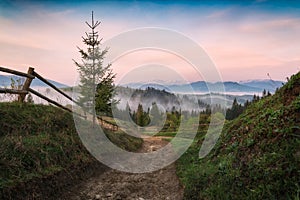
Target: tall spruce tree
92, 72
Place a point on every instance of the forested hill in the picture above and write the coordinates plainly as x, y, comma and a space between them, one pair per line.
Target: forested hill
257, 156
146, 98
166, 99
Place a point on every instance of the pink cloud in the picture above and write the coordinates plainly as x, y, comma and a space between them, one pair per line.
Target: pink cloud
147, 59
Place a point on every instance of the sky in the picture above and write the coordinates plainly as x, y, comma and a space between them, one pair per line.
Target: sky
244, 39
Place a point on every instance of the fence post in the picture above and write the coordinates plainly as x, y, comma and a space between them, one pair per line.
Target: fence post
26, 84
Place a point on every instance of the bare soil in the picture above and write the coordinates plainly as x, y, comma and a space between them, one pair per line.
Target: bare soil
112, 184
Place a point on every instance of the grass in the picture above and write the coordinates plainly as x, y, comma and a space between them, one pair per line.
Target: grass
37, 141
256, 157
124, 140
166, 134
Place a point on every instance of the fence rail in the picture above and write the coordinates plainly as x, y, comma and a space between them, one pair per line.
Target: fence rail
12, 91
10, 71
107, 125
54, 87
30, 75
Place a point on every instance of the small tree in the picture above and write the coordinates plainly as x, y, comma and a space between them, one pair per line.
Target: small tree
30, 99
93, 73
104, 95
264, 93
140, 115
15, 84
235, 110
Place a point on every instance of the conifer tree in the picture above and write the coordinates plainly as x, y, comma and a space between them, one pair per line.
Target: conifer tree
264, 93
140, 115
235, 110
93, 73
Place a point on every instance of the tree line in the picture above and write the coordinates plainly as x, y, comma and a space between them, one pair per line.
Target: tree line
237, 109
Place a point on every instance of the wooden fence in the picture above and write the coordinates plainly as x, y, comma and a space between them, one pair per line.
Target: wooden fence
30, 75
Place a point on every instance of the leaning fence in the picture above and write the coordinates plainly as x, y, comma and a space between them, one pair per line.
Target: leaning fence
30, 75
26, 89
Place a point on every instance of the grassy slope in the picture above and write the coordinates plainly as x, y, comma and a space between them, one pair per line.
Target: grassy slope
257, 156
37, 141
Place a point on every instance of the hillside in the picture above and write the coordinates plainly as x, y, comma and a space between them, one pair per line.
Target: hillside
257, 155
41, 154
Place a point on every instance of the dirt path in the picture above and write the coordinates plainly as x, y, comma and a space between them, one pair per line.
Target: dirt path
113, 185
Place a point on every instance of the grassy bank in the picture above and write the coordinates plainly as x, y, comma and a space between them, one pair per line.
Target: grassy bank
256, 157
40, 141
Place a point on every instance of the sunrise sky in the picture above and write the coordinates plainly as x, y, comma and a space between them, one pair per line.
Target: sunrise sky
245, 40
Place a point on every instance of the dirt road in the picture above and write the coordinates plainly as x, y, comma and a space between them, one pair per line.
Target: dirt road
113, 185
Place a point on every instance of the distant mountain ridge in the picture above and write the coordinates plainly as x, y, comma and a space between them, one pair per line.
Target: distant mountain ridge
266, 84
202, 86
5, 81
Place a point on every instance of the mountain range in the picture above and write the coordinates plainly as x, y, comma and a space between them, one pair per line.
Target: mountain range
256, 86
5, 81
250, 86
